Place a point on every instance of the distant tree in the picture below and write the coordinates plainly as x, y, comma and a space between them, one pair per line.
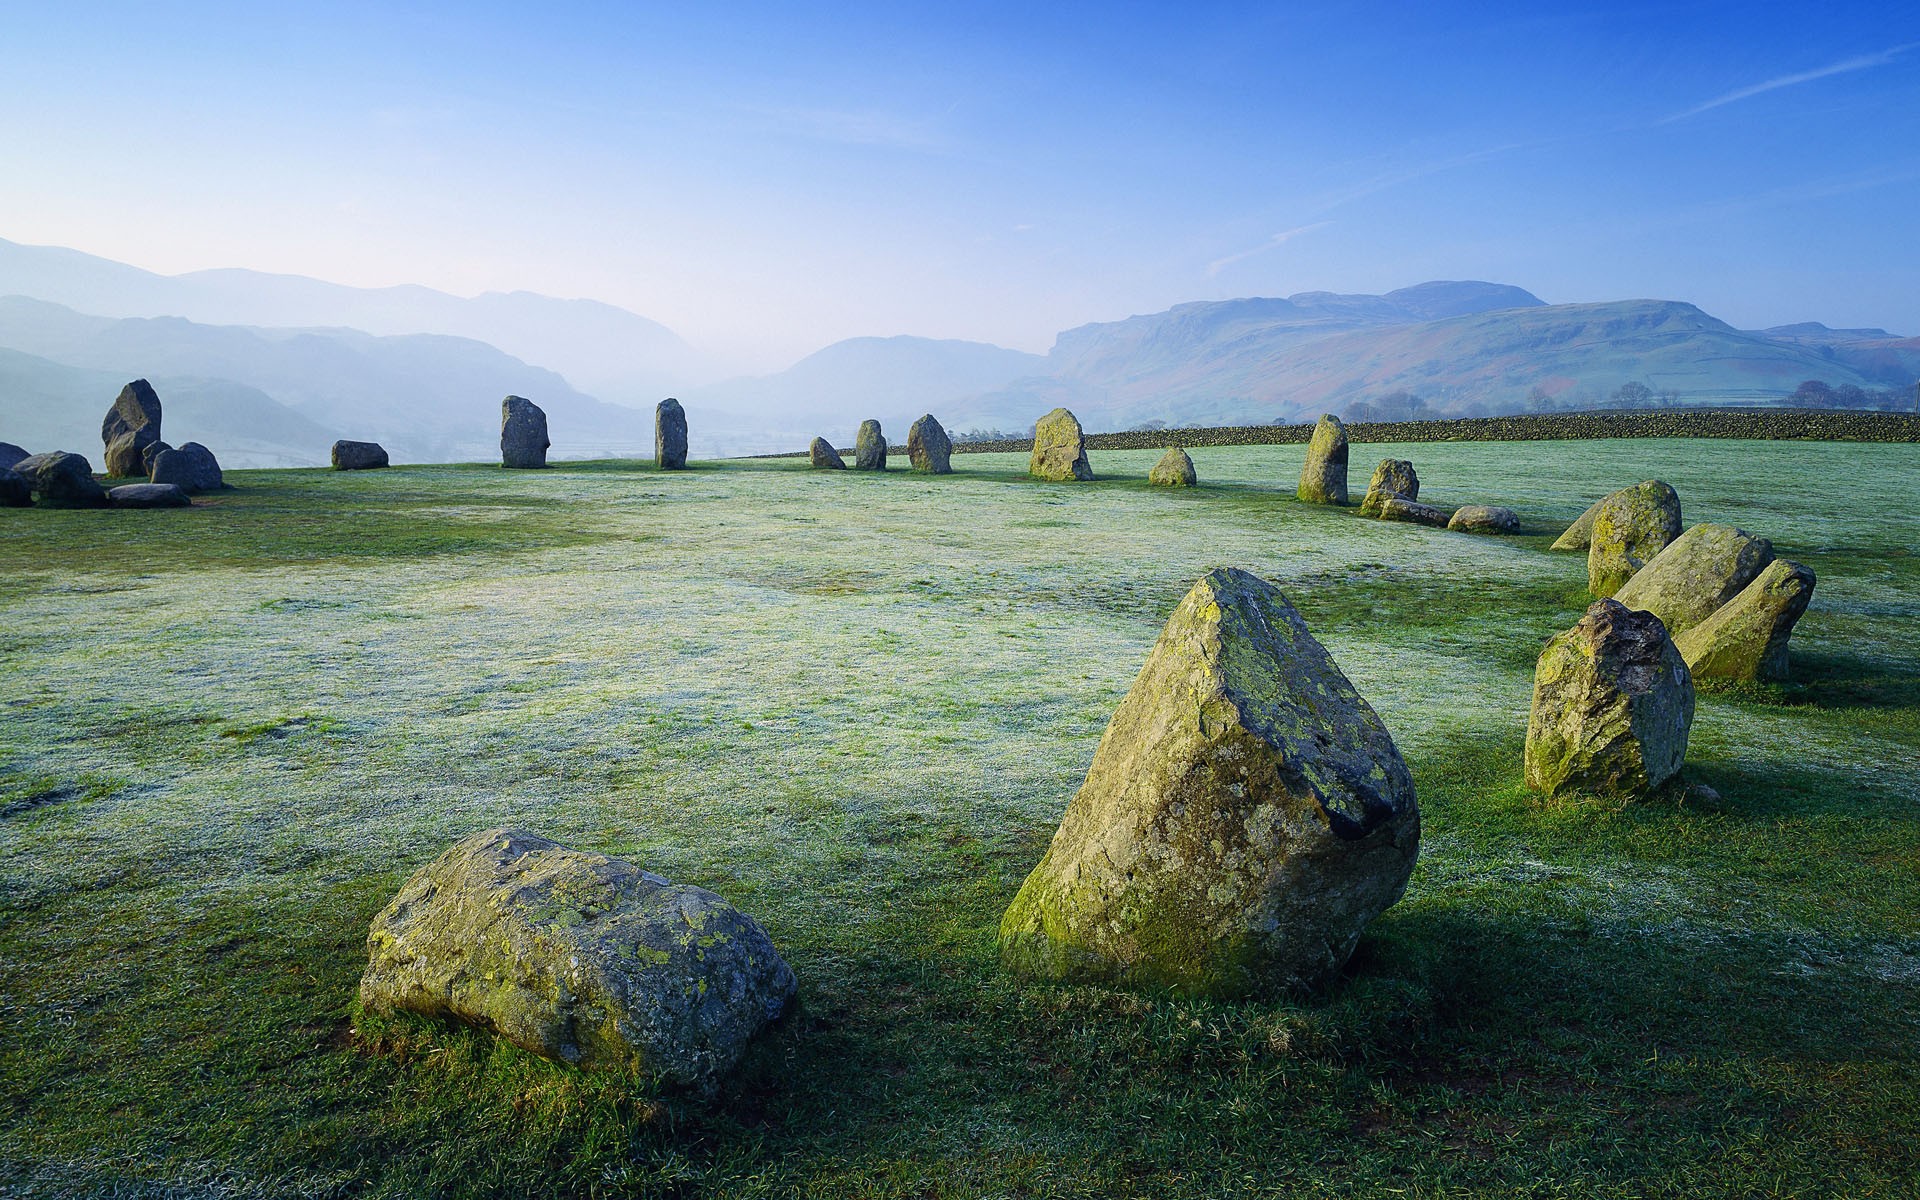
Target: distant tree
1149, 427
1633, 394
1540, 400
1812, 393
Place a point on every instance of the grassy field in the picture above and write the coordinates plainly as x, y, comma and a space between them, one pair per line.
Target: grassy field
856, 706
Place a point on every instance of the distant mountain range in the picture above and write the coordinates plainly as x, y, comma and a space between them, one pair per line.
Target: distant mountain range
269, 369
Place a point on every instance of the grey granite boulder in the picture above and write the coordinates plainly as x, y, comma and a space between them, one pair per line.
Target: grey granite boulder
131, 425
11, 454
1393, 508
1246, 815
358, 456
670, 436
1695, 574
1612, 707
60, 479
148, 495
523, 434
1394, 478
823, 457
1484, 518
1630, 527
928, 447
192, 466
1175, 469
1059, 448
577, 957
1323, 478
15, 492
1746, 638
154, 450
869, 448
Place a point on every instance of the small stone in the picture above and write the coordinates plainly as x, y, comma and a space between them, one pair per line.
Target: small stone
358, 456
1059, 449
1394, 477
60, 479
1612, 707
523, 434
153, 451
131, 425
1393, 508
577, 957
1175, 469
1484, 518
1701, 793
1746, 638
10, 455
928, 447
15, 492
148, 495
670, 436
1323, 480
823, 457
1698, 572
869, 448
1632, 526
191, 466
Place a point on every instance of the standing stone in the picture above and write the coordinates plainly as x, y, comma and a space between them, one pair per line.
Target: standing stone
358, 456
823, 457
1612, 705
62, 480
15, 492
1698, 572
131, 425
192, 466
869, 448
523, 434
148, 495
1632, 526
1394, 478
577, 957
1059, 449
1579, 535
1747, 637
1323, 480
1174, 469
10, 455
670, 436
153, 450
1245, 816
1484, 518
928, 447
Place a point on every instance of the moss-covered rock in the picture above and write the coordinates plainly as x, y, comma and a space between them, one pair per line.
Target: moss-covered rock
928, 447
131, 425
1579, 535
821, 456
1394, 478
1612, 707
577, 957
1174, 469
1393, 508
1631, 526
869, 447
1323, 478
1746, 638
1698, 572
1246, 815
1484, 518
1059, 448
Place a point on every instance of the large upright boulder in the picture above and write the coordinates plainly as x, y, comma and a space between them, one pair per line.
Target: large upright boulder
523, 434
59, 479
869, 447
929, 448
1323, 479
669, 436
131, 425
1612, 707
1245, 816
358, 456
1630, 527
1746, 638
1698, 572
577, 957
1393, 479
821, 456
192, 467
1175, 469
10, 455
1059, 448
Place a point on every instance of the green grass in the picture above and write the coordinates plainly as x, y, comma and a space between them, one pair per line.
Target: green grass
856, 706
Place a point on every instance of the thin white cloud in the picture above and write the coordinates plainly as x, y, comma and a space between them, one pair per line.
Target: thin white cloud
1862, 63
1278, 239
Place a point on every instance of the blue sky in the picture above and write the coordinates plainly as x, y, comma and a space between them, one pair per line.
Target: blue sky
766, 180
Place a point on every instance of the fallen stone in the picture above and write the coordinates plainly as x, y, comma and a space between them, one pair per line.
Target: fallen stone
869, 448
1393, 508
577, 957
1579, 535
11, 454
148, 495
1632, 526
823, 457
1245, 816
1323, 480
1175, 469
1612, 706
523, 434
358, 456
131, 425
1059, 449
1484, 518
154, 450
15, 492
670, 436
192, 466
1747, 637
928, 447
1394, 477
59, 479
1698, 572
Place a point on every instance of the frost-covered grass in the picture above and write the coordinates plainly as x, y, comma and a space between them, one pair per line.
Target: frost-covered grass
857, 706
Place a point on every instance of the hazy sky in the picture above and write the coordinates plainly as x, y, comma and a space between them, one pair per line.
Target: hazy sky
766, 180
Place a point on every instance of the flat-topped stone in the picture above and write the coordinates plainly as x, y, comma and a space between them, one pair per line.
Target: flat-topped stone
358, 456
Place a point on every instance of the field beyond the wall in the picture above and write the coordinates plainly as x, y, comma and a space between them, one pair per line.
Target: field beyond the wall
856, 705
